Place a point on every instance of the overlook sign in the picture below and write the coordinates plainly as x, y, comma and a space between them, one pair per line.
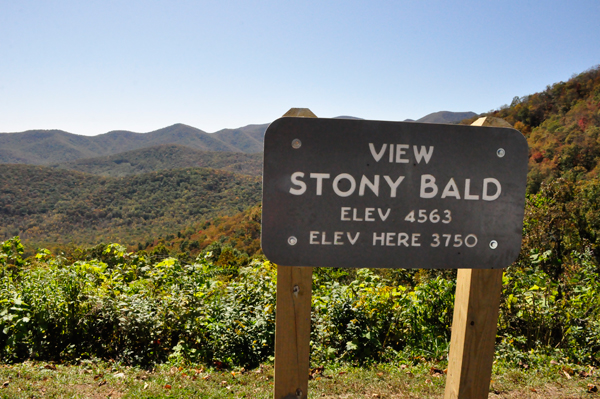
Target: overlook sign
355, 193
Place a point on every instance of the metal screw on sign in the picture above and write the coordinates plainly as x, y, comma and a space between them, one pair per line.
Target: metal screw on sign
500, 152
296, 143
292, 240
493, 244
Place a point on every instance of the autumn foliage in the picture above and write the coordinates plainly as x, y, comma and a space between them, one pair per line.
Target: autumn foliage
562, 126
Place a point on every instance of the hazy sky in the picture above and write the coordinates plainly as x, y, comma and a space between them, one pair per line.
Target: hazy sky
89, 67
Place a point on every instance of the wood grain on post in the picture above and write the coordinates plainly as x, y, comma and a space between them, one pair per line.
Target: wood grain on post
473, 339
292, 321
474, 324
292, 332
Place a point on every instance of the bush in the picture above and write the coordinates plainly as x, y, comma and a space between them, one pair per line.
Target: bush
220, 307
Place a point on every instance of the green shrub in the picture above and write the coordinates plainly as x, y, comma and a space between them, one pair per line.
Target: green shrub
144, 309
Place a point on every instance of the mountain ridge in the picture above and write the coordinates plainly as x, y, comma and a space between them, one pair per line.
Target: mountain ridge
53, 146
44, 147
446, 117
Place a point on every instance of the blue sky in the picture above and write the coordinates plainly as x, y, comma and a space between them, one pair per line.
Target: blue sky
89, 67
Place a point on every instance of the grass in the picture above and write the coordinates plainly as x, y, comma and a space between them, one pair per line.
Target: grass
425, 380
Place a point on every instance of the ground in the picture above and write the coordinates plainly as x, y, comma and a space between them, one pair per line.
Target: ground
111, 380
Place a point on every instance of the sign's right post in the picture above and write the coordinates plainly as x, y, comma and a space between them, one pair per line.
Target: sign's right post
474, 324
473, 333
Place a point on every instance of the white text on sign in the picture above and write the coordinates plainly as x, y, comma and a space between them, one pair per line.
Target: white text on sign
346, 185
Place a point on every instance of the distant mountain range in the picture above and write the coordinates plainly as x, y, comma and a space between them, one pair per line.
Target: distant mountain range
446, 117
44, 147
52, 147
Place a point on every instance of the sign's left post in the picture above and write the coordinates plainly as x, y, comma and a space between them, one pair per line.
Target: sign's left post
292, 322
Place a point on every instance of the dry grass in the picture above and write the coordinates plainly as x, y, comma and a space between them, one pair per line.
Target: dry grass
109, 380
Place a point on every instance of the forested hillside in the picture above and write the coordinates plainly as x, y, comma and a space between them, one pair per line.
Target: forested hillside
165, 157
562, 126
248, 139
46, 205
230, 238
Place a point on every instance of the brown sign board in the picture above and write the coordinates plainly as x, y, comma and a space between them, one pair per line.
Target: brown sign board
358, 193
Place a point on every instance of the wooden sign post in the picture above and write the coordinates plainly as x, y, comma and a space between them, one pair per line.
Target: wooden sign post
358, 193
476, 307
292, 321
